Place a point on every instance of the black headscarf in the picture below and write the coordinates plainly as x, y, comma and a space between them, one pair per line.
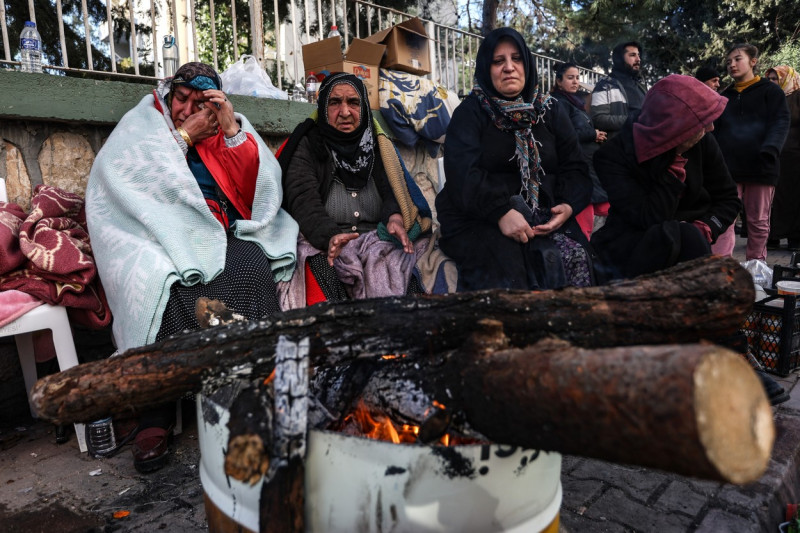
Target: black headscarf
515, 115
485, 56
353, 152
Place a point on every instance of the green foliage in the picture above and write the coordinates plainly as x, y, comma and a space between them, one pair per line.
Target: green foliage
678, 36
788, 54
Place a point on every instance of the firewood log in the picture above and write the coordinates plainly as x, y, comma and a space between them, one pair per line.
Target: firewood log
702, 299
697, 410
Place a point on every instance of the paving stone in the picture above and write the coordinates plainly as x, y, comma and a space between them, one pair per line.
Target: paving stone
578, 492
640, 480
719, 521
570, 462
575, 523
617, 506
682, 498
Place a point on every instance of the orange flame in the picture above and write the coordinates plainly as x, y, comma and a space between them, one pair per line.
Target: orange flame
378, 426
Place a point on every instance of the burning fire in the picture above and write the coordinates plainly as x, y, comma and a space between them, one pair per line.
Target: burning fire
362, 422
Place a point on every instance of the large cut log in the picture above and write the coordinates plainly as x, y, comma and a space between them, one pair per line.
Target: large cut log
697, 410
702, 299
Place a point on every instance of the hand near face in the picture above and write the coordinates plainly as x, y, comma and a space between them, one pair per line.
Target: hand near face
514, 226
336, 244
561, 214
224, 113
201, 125
396, 228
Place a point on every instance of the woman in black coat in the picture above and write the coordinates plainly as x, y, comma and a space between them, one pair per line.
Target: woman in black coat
671, 194
515, 179
566, 92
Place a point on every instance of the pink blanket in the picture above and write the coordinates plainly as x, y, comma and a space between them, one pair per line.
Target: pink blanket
47, 254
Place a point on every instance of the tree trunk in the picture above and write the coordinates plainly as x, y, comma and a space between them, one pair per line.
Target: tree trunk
703, 299
489, 16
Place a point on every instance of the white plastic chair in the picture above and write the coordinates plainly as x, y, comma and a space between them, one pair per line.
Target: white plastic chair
42, 317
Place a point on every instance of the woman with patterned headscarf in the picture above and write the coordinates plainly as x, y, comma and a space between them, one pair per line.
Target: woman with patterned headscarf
516, 177
183, 201
349, 192
785, 217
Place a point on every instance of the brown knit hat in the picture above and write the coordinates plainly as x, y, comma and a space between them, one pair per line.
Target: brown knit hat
674, 110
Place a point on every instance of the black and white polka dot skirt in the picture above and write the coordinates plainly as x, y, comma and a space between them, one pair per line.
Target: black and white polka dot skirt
246, 286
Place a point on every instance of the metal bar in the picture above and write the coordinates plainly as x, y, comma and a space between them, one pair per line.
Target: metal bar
97, 73
61, 39
439, 52
193, 19
6, 46
31, 12
174, 26
213, 34
155, 36
88, 36
333, 13
463, 67
278, 45
369, 20
235, 38
358, 20
305, 22
346, 25
132, 45
294, 43
447, 58
111, 46
320, 26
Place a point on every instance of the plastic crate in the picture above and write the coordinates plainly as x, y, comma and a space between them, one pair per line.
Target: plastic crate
773, 334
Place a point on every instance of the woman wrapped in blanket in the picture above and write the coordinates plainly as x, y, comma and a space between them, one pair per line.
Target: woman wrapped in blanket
516, 177
183, 201
348, 190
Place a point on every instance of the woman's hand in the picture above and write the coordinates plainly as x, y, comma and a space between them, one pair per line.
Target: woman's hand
336, 244
514, 226
219, 104
396, 228
600, 136
561, 214
201, 125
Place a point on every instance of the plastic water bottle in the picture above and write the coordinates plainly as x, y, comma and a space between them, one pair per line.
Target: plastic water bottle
334, 32
170, 55
100, 438
311, 88
30, 48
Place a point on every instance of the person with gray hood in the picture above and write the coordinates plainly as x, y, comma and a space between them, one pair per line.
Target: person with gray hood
622, 92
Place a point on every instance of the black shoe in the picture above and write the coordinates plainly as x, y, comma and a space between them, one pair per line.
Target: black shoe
775, 392
773, 244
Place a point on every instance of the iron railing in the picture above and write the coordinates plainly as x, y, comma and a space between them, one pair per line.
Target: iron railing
452, 50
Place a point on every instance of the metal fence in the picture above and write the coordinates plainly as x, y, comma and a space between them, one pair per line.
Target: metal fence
452, 50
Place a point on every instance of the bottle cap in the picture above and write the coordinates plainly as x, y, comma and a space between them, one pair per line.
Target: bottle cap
30, 24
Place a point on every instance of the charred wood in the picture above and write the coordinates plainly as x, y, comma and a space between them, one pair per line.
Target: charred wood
702, 299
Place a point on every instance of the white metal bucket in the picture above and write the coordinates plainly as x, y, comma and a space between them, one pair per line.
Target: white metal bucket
359, 484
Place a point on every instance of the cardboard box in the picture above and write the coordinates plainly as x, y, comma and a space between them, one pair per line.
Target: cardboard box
362, 58
406, 47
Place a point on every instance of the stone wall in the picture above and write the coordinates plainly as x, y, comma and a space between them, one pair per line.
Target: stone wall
51, 128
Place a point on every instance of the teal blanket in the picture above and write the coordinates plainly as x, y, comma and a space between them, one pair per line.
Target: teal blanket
150, 226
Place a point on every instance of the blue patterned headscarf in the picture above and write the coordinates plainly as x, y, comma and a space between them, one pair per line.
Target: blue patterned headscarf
195, 75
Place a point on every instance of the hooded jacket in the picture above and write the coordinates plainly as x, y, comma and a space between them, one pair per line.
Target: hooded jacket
647, 199
618, 95
752, 130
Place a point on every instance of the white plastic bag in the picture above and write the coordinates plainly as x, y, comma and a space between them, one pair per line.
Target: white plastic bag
248, 78
761, 272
